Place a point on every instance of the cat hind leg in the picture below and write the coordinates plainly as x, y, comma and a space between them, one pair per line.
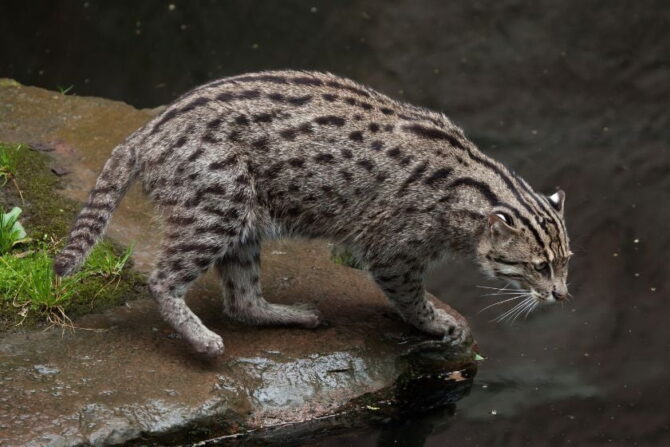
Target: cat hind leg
239, 270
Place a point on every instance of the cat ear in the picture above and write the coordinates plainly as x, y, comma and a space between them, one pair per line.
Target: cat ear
500, 224
557, 200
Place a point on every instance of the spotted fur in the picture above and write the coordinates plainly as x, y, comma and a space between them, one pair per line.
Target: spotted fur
311, 154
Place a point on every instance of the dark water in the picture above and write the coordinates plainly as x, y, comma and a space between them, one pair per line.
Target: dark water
572, 94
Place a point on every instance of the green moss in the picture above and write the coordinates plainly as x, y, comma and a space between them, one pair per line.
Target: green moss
29, 292
45, 212
7, 82
8, 163
98, 290
341, 256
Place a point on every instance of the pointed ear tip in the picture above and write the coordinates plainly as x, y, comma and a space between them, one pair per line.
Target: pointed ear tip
558, 197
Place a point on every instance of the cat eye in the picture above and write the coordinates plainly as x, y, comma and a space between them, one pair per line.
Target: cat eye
543, 268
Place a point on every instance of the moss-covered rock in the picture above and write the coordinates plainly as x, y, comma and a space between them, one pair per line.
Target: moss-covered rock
45, 213
47, 216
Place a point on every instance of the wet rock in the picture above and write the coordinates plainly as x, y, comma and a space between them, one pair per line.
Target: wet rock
59, 170
45, 369
123, 377
41, 146
429, 378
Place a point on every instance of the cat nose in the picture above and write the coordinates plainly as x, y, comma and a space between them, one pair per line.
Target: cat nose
558, 296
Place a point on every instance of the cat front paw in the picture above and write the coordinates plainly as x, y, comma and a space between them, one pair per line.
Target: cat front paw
457, 335
449, 328
210, 345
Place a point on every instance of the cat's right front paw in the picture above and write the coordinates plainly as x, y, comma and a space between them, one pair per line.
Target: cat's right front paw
457, 335
452, 330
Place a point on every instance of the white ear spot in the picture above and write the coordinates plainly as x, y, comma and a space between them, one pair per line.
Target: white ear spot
555, 198
503, 218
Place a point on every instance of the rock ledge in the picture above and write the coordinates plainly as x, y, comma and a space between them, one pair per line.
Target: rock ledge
124, 377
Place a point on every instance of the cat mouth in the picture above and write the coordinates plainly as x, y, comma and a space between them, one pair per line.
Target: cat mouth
543, 298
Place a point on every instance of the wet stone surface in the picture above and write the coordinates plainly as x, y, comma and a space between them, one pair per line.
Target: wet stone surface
124, 376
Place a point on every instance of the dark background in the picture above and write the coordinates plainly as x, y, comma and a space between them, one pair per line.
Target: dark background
572, 94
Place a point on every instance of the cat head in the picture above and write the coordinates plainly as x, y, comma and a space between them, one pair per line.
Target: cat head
529, 249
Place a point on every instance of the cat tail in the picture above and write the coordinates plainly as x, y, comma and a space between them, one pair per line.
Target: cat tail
89, 226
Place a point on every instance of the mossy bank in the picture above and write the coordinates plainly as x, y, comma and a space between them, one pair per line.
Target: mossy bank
106, 280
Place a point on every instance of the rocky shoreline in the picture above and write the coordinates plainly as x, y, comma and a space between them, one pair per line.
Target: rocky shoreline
124, 377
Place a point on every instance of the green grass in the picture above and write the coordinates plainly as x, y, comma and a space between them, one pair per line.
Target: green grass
104, 261
30, 293
9, 160
341, 256
28, 282
64, 90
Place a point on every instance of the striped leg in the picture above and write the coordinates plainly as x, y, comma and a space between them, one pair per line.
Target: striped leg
168, 284
243, 301
193, 241
405, 290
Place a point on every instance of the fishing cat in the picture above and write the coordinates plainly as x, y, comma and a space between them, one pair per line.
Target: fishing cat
315, 155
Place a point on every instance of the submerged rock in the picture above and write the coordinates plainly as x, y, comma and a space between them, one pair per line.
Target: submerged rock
122, 377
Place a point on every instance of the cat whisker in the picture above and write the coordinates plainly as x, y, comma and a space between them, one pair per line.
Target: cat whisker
500, 318
524, 305
520, 292
513, 310
506, 287
501, 302
489, 287
530, 308
502, 290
